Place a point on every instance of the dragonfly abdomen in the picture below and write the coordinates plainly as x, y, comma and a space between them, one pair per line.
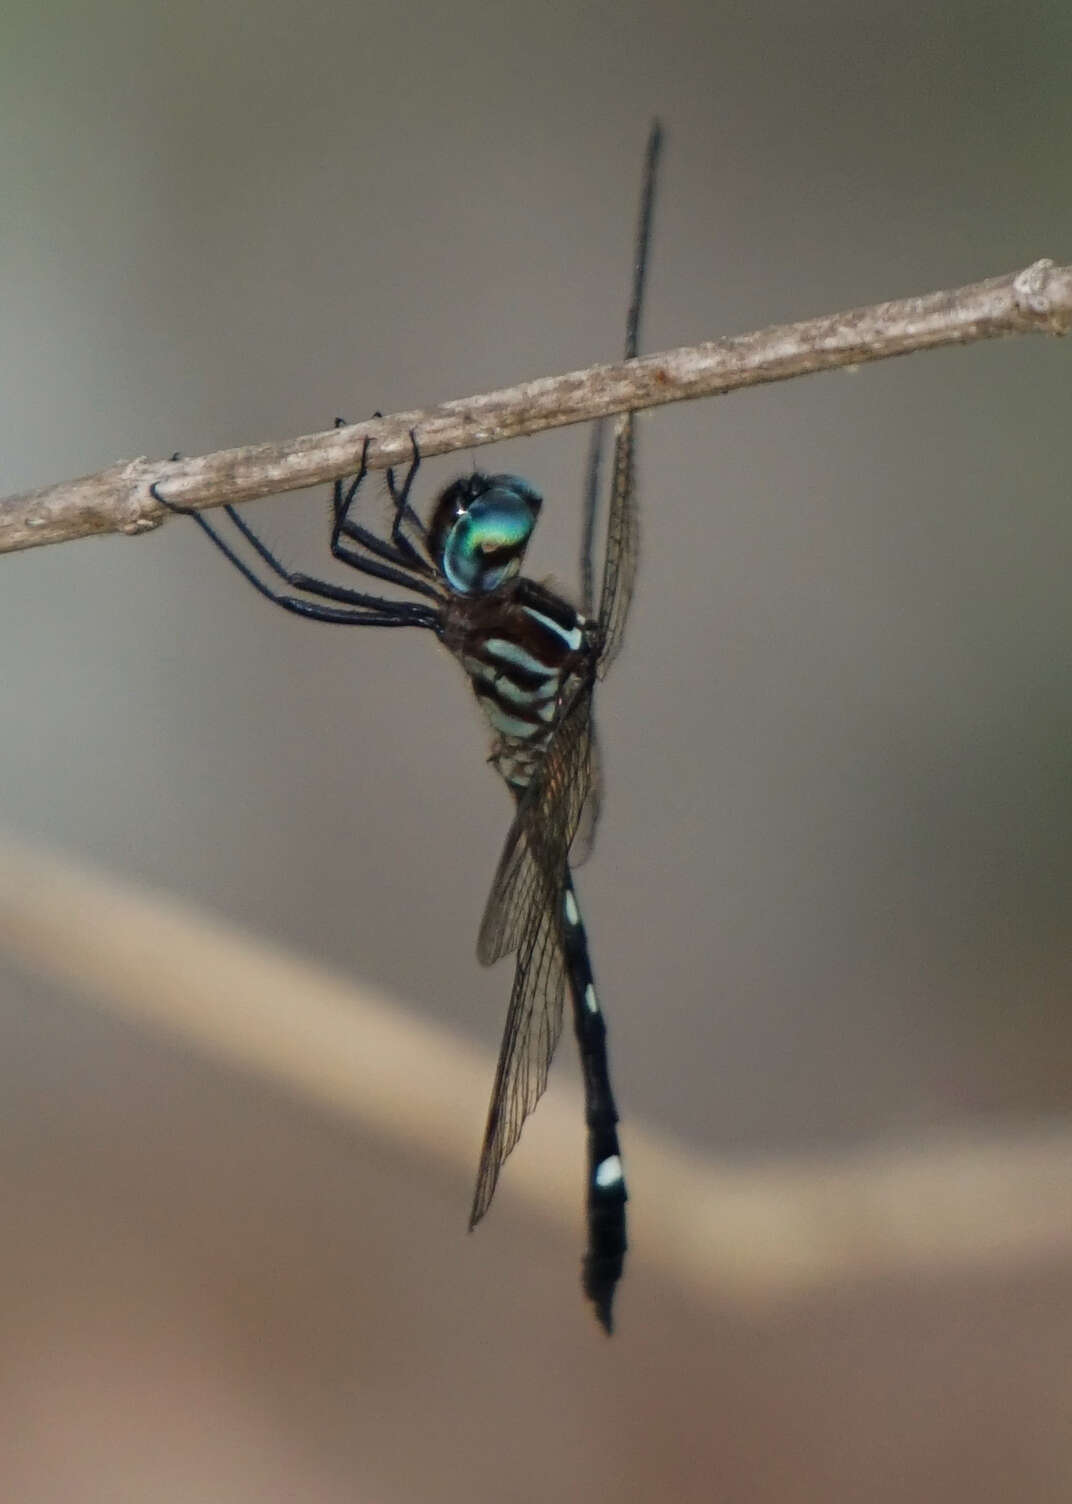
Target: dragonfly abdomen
606, 1193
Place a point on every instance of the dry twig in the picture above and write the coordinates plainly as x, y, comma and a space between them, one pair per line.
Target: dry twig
1037, 299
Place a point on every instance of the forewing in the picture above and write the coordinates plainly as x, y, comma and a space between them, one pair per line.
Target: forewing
585, 838
524, 913
533, 1024
513, 892
623, 538
548, 818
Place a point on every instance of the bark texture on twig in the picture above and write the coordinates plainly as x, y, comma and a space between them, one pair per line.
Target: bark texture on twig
1035, 300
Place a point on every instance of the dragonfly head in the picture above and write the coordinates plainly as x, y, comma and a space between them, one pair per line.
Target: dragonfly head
480, 530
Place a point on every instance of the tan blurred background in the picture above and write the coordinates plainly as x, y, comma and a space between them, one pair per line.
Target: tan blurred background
830, 905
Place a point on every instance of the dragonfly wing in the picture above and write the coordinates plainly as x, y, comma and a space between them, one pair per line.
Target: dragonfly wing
558, 802
623, 541
585, 839
524, 913
510, 900
619, 571
533, 1026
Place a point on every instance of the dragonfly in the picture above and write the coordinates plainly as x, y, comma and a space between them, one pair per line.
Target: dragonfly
533, 661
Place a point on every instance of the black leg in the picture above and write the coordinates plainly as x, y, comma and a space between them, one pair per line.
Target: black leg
365, 610
314, 586
340, 501
400, 498
400, 552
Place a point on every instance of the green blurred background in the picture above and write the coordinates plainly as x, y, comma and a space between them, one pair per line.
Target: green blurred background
831, 900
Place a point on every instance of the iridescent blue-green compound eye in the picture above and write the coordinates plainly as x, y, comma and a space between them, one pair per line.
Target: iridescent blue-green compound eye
481, 529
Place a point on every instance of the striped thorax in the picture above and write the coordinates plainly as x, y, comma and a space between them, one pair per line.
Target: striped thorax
527, 651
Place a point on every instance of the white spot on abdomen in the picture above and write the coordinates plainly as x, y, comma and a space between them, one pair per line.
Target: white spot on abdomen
590, 1000
571, 909
608, 1172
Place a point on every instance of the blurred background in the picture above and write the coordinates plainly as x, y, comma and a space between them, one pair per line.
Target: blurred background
830, 904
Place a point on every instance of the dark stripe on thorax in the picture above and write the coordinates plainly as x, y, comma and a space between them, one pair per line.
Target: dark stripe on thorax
518, 663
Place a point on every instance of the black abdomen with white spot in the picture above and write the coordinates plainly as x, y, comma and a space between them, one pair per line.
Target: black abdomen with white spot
605, 1255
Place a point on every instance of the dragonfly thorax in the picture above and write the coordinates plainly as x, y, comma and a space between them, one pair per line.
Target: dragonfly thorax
527, 653
480, 530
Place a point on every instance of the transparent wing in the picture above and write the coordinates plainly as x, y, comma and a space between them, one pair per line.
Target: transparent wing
619, 570
533, 1025
524, 914
591, 507
548, 818
512, 893
623, 541
585, 839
